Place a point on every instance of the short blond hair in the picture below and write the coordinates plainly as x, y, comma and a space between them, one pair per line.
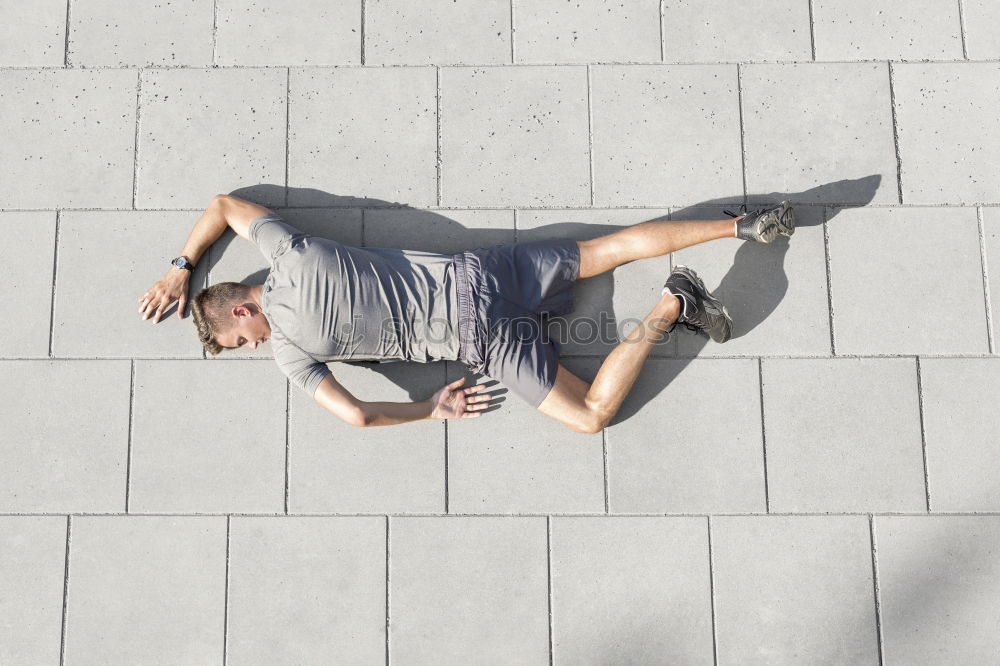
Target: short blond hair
210, 310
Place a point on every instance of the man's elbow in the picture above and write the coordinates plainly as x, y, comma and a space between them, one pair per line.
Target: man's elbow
359, 418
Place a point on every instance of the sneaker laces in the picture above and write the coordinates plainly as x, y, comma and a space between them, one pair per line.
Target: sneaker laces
743, 209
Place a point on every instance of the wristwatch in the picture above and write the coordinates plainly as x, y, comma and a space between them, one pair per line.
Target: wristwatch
183, 262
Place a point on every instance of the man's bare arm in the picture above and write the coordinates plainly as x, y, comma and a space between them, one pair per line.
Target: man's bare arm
224, 211
450, 401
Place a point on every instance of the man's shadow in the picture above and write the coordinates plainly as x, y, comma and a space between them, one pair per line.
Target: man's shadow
749, 293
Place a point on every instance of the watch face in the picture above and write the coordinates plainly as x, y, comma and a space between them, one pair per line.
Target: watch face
178, 262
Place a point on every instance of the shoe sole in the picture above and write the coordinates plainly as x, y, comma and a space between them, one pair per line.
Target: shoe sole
707, 295
784, 224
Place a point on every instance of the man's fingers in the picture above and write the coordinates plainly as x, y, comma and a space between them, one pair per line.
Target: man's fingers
476, 388
162, 307
455, 384
181, 305
470, 415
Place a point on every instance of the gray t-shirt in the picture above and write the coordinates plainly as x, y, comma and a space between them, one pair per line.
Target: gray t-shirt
326, 301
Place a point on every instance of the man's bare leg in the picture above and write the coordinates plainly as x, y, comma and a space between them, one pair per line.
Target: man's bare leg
589, 407
648, 239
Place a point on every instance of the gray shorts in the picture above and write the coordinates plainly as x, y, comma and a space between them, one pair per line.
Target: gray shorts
503, 292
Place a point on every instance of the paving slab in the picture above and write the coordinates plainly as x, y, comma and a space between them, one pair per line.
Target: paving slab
445, 231
468, 590
694, 30
229, 456
206, 131
837, 441
948, 141
665, 456
552, 31
887, 30
610, 305
364, 132
147, 33
32, 569
32, 34
69, 136
26, 325
146, 589
514, 459
631, 590
303, 589
775, 293
119, 254
57, 456
793, 590
514, 136
339, 468
990, 230
437, 32
816, 141
665, 134
981, 19
272, 32
962, 432
887, 270
939, 586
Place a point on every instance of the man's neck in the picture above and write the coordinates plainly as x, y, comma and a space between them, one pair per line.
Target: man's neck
255, 292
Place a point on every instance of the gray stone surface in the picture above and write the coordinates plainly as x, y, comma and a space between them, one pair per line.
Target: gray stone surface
303, 589
665, 135
843, 435
32, 34
69, 137
776, 293
206, 131
143, 33
339, 468
514, 135
25, 326
441, 32
963, 433
513, 459
887, 30
32, 566
229, 453
119, 254
665, 456
465, 590
700, 30
631, 591
368, 132
836, 125
272, 32
445, 231
146, 589
948, 141
64, 434
890, 269
607, 306
939, 586
792, 590
597, 31
982, 28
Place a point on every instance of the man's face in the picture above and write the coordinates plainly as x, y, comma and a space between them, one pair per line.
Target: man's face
249, 330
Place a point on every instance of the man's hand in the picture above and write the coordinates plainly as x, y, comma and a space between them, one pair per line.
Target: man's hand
452, 402
171, 287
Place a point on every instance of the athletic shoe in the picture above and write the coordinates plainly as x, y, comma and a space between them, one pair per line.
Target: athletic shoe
701, 310
765, 224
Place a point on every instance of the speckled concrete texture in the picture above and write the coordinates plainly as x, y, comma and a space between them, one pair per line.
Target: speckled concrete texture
822, 489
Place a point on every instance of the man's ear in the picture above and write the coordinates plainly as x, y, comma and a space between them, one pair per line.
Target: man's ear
241, 311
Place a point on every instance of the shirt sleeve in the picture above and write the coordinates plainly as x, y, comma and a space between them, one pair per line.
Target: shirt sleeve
273, 236
302, 370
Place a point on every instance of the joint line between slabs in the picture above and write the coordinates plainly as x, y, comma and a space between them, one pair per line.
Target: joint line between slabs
288, 126
288, 418
513, 30
763, 435
438, 136
895, 135
52, 301
363, 8
215, 31
135, 145
829, 282
65, 606
961, 28
225, 618
743, 149
986, 281
812, 32
875, 585
607, 495
711, 590
923, 434
66, 46
387, 606
548, 567
663, 48
590, 135
131, 427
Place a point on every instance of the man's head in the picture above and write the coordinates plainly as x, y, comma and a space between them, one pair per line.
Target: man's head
227, 315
